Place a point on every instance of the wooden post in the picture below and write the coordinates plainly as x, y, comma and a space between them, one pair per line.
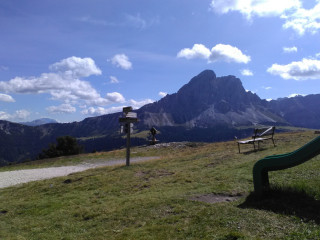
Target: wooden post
128, 144
128, 119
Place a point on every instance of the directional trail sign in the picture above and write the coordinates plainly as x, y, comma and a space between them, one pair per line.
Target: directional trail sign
126, 122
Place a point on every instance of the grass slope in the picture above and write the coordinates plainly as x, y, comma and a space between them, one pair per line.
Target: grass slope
152, 200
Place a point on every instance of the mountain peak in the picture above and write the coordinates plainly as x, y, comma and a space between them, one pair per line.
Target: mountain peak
207, 74
215, 99
207, 87
202, 78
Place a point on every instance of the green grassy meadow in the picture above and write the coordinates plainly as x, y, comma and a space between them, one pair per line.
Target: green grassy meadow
153, 199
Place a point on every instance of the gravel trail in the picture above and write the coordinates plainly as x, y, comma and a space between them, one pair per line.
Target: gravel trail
11, 178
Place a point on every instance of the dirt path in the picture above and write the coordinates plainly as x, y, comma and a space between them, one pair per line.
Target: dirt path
11, 178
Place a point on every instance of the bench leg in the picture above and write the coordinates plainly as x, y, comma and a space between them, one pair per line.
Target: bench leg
273, 142
254, 146
239, 147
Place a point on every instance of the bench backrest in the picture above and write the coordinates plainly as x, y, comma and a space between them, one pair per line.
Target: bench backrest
261, 132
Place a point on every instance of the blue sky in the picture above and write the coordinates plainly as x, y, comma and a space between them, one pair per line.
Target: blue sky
69, 60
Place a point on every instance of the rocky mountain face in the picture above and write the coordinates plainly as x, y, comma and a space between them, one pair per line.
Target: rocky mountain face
208, 108
208, 100
300, 111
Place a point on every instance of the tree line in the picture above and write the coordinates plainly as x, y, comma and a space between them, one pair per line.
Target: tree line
65, 146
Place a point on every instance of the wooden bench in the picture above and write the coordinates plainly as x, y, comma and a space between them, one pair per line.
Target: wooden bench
260, 135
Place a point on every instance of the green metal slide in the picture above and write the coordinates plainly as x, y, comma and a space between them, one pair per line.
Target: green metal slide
283, 161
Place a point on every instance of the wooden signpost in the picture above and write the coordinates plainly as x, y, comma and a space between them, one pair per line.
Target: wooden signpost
127, 122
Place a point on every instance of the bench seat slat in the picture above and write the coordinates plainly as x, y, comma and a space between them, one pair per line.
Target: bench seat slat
246, 141
260, 134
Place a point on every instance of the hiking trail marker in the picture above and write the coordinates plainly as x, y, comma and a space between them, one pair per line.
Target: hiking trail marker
153, 133
126, 122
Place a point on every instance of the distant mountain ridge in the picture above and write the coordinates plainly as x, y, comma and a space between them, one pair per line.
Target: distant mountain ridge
208, 108
299, 111
39, 122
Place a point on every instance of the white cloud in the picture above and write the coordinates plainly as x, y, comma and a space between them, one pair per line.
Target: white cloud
122, 61
18, 115
64, 95
163, 94
97, 111
197, 51
139, 104
302, 70
76, 67
294, 15
227, 53
63, 108
115, 97
220, 52
4, 116
113, 79
21, 114
63, 84
318, 55
100, 101
269, 99
251, 8
267, 88
246, 72
289, 49
59, 86
304, 20
6, 98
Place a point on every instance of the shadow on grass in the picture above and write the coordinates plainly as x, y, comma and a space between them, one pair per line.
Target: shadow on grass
248, 152
253, 151
287, 201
